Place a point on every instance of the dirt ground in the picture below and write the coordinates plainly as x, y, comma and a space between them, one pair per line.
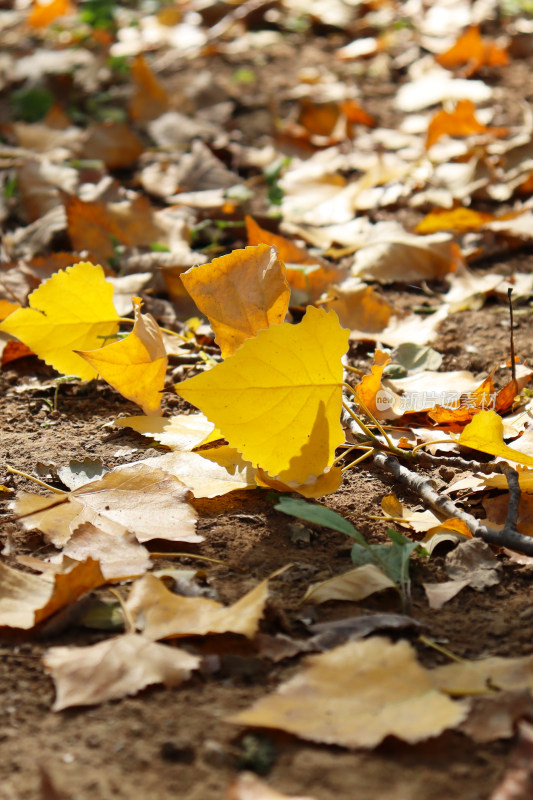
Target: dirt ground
176, 743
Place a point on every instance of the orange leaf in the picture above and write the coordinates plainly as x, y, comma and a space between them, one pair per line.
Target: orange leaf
241, 294
314, 274
459, 123
15, 350
149, 99
459, 220
371, 384
473, 52
42, 14
93, 226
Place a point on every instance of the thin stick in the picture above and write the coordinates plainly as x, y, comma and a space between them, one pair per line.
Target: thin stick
507, 537
376, 422
14, 471
369, 452
129, 624
201, 558
513, 365
440, 649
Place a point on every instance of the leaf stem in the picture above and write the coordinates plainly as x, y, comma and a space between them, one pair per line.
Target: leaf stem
14, 471
427, 444
201, 558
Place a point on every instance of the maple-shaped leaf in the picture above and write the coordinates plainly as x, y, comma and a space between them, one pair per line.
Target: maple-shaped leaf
278, 399
485, 433
72, 310
241, 293
136, 365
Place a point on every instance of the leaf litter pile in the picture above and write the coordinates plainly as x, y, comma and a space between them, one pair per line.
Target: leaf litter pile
266, 285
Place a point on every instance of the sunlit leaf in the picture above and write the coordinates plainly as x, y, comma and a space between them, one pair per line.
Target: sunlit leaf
278, 399
241, 294
73, 310
134, 366
485, 433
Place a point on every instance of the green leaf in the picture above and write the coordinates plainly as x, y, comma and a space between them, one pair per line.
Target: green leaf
320, 515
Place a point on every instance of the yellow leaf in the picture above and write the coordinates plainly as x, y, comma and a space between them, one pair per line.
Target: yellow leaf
485, 675
241, 294
135, 366
356, 695
485, 433
278, 399
71, 310
326, 483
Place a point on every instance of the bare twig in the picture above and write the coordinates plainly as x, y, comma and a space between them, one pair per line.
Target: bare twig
507, 537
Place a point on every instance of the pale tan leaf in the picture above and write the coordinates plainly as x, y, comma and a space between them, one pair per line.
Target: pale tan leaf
120, 557
149, 503
27, 599
114, 668
210, 473
248, 786
484, 676
356, 695
354, 585
162, 614
180, 432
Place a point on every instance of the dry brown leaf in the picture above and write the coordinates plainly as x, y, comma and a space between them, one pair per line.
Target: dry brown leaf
517, 782
241, 294
147, 502
392, 254
356, 695
495, 716
26, 599
161, 614
114, 143
114, 668
354, 585
248, 786
120, 557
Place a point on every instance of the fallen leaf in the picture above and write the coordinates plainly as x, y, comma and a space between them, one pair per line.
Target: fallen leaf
120, 557
370, 385
485, 433
114, 143
71, 310
353, 585
517, 782
114, 668
278, 399
484, 676
392, 254
180, 432
458, 123
42, 14
459, 220
149, 99
495, 716
416, 520
326, 483
27, 599
160, 614
248, 786
147, 502
472, 52
440, 593
210, 473
135, 366
356, 695
241, 294
474, 561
